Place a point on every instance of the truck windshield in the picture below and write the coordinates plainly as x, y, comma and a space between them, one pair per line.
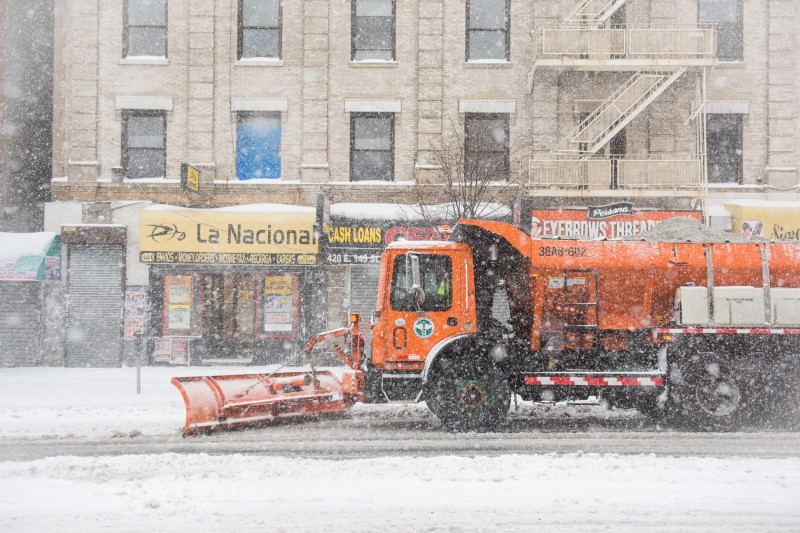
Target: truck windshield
436, 274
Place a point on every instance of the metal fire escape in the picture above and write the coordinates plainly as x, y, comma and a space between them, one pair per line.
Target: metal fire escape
656, 58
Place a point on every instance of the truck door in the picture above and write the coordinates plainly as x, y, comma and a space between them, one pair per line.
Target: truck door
417, 320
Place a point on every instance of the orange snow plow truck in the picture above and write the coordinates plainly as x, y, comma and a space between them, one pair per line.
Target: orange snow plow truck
705, 334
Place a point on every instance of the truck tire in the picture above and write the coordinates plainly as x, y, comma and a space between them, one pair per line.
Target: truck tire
373, 391
469, 395
709, 392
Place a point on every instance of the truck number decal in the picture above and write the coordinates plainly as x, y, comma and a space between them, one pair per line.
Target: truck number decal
562, 251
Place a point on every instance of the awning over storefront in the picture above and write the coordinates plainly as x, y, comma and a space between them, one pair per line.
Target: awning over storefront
258, 234
30, 256
774, 220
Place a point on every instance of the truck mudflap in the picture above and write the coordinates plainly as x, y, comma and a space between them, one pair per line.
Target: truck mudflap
595, 379
250, 399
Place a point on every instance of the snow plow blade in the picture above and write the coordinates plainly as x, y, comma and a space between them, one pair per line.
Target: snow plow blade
251, 399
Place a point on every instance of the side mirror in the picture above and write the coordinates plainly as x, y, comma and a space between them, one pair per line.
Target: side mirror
413, 279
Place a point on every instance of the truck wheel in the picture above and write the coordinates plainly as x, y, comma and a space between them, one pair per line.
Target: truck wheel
469, 395
372, 386
711, 394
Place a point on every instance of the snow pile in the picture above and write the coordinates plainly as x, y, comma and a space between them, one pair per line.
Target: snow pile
684, 229
103, 403
15, 245
570, 492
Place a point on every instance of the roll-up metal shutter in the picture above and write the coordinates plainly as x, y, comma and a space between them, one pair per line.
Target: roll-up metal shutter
94, 305
20, 323
363, 289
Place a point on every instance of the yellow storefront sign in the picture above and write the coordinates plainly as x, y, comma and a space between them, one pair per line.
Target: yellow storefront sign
778, 221
238, 235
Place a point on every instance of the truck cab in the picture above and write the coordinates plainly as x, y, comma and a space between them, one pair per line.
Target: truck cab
412, 319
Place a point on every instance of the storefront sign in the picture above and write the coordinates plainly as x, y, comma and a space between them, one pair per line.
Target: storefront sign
359, 242
228, 236
570, 223
608, 211
778, 221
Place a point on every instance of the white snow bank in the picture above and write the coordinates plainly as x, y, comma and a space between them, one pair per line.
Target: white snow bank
102, 402
246, 208
572, 492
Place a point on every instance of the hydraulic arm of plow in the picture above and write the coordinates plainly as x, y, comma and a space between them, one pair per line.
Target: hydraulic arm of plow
251, 399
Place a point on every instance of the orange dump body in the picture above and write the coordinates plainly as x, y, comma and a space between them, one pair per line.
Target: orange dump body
632, 282
247, 399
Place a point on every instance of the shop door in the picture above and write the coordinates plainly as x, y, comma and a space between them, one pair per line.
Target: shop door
94, 305
20, 323
229, 314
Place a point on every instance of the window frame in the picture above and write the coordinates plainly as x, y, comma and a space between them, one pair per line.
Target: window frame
125, 157
355, 116
126, 26
469, 30
241, 28
506, 151
354, 26
738, 55
429, 263
739, 167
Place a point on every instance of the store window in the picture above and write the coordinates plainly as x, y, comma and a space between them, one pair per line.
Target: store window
260, 29
371, 146
182, 306
724, 143
144, 153
258, 145
278, 306
727, 17
373, 30
486, 147
145, 28
487, 30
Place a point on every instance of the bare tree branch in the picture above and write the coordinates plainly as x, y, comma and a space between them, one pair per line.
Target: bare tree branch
475, 174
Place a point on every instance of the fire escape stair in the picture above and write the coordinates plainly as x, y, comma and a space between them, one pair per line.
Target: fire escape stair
593, 13
618, 111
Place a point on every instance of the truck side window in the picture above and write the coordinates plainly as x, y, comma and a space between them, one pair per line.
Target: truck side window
436, 272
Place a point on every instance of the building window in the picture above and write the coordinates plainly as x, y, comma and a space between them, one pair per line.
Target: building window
258, 145
371, 146
145, 28
724, 148
260, 29
487, 30
373, 29
144, 141
486, 147
726, 16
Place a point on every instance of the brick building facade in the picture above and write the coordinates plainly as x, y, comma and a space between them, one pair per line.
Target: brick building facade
667, 105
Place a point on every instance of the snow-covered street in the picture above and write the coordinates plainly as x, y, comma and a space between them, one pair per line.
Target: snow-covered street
439, 491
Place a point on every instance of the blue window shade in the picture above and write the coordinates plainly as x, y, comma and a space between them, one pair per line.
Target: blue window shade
258, 146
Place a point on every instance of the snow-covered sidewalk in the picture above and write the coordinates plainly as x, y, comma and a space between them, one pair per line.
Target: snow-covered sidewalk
174, 492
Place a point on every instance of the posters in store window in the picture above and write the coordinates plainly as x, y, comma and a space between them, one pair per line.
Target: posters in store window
279, 306
178, 305
135, 305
